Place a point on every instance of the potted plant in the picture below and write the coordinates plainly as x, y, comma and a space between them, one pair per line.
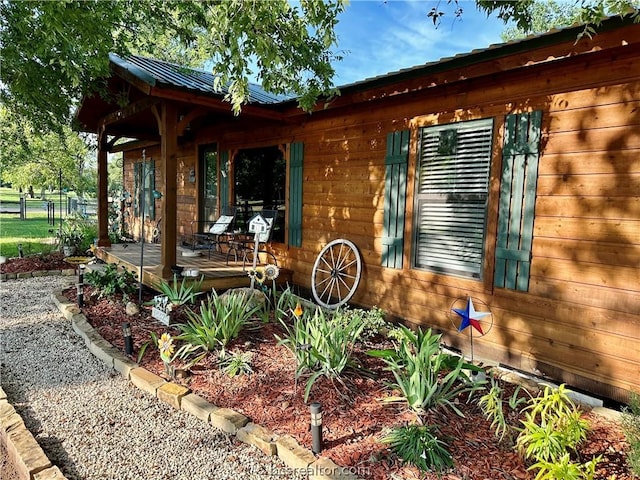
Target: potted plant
70, 238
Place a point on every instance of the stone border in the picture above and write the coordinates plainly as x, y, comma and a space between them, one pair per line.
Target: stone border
23, 450
294, 456
67, 272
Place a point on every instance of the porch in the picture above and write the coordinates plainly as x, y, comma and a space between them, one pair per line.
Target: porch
218, 273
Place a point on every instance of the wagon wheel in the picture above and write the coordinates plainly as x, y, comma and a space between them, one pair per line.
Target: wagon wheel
336, 273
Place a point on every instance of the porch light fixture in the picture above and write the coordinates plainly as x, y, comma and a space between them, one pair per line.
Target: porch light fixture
128, 341
316, 427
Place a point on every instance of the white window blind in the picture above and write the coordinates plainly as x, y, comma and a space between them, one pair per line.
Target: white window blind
451, 197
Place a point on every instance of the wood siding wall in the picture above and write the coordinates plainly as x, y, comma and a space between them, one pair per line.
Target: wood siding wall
580, 320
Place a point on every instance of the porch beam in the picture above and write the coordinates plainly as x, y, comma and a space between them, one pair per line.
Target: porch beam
217, 104
169, 147
128, 111
133, 145
103, 191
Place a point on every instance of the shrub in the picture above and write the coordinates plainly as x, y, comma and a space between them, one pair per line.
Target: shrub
111, 281
219, 322
427, 377
552, 428
420, 446
322, 346
631, 429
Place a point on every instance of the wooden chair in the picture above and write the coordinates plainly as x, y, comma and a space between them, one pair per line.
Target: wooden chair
213, 233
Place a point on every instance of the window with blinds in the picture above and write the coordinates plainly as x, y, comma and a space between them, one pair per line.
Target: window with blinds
452, 183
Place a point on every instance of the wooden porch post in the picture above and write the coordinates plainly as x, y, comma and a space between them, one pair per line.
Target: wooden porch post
169, 147
103, 192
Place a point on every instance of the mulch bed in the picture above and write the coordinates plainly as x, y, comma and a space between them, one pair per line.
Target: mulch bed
353, 418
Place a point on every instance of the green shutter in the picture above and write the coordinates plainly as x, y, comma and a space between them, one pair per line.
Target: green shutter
295, 194
517, 200
395, 191
224, 180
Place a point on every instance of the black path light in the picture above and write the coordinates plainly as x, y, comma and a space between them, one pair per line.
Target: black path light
128, 340
316, 427
80, 285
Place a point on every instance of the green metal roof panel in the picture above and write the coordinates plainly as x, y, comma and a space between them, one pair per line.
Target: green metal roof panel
157, 73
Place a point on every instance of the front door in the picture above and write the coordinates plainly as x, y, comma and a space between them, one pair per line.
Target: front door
208, 187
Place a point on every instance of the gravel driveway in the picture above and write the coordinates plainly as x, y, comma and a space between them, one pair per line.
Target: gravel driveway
91, 422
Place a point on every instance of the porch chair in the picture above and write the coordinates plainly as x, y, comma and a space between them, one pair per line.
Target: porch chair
213, 234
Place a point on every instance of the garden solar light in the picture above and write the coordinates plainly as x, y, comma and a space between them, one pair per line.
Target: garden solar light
80, 285
128, 341
316, 427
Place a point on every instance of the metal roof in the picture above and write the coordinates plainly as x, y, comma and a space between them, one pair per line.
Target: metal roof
158, 73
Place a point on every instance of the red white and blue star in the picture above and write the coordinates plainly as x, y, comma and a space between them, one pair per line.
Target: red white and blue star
470, 317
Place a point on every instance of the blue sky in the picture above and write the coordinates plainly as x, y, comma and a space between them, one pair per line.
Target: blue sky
380, 37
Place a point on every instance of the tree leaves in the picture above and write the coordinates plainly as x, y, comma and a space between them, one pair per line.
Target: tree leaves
54, 52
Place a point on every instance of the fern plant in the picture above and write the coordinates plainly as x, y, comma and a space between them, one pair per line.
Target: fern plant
111, 281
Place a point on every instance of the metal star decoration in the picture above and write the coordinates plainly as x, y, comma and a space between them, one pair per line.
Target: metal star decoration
470, 317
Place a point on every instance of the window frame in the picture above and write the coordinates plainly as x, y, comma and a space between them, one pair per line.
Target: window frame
455, 199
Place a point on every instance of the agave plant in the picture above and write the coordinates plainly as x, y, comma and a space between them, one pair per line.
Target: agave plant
221, 319
180, 294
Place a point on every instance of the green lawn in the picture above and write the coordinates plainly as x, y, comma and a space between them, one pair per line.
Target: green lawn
33, 233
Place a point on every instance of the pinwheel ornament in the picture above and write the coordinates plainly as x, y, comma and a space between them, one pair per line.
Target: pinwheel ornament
467, 316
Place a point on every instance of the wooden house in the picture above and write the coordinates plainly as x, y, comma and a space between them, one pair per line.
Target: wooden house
510, 175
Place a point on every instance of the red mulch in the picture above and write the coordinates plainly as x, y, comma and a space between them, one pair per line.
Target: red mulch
353, 419
53, 261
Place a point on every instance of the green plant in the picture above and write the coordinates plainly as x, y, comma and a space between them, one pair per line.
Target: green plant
111, 281
237, 363
219, 322
552, 427
427, 377
180, 294
631, 428
372, 320
420, 446
492, 405
564, 469
321, 346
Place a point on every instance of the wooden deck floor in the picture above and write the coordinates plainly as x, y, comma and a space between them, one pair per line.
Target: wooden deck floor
217, 273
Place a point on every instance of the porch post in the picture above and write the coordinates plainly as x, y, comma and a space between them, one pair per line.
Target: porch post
103, 192
169, 147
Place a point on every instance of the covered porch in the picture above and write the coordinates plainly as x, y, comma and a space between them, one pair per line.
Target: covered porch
219, 274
